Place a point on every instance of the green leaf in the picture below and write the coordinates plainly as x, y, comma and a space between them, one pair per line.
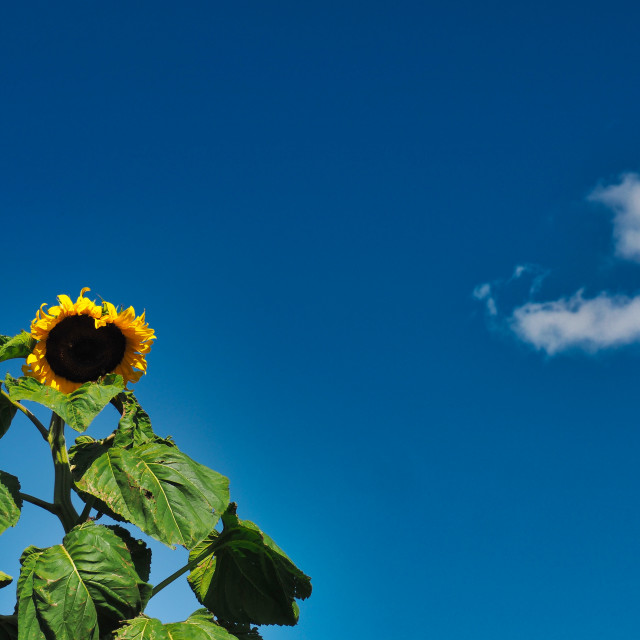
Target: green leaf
142, 628
62, 601
10, 501
85, 450
242, 631
81, 456
9, 627
159, 489
134, 428
250, 579
28, 623
19, 346
239, 631
87, 585
77, 408
7, 412
140, 553
5, 579
196, 627
200, 576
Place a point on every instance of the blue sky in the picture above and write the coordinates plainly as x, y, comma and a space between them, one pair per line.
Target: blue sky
390, 253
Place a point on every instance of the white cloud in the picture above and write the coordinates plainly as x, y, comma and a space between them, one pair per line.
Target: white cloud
593, 324
575, 323
624, 200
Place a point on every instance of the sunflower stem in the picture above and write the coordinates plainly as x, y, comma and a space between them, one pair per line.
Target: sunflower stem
41, 428
63, 479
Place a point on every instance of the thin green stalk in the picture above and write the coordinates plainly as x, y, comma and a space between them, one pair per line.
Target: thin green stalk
219, 543
41, 428
187, 567
63, 480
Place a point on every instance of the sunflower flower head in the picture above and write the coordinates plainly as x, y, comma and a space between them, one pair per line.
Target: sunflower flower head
81, 341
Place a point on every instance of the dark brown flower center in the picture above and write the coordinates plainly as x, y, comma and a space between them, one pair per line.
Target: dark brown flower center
79, 352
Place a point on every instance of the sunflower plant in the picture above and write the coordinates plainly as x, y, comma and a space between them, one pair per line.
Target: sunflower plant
79, 357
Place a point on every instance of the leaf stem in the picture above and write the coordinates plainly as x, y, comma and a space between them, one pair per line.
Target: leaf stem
41, 428
39, 503
87, 510
187, 567
63, 481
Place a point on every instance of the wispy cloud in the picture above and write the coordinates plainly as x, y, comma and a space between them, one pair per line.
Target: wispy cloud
592, 324
624, 200
537, 273
487, 292
577, 323
483, 292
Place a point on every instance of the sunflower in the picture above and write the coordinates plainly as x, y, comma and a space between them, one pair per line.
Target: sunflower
82, 341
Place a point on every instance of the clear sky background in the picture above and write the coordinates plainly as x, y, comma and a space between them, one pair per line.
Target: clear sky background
391, 254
